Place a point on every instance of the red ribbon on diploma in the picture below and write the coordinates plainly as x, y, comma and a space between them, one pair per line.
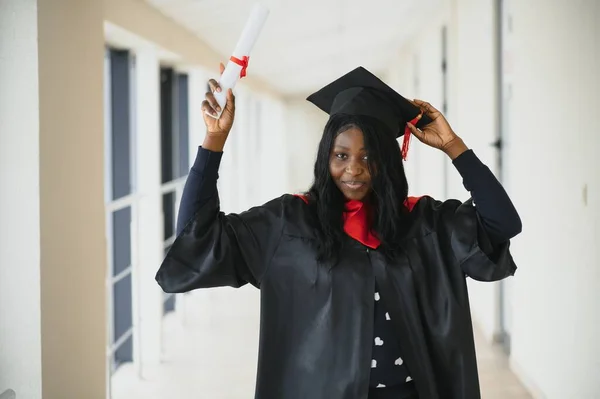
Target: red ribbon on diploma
406, 140
243, 63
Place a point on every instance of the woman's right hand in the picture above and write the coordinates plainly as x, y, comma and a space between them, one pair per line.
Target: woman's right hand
217, 130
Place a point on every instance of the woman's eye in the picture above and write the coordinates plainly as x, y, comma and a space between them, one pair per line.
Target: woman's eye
365, 158
340, 156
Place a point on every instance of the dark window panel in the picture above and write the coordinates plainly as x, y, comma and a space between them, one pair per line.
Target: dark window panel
167, 121
124, 354
122, 307
169, 214
169, 304
183, 125
121, 124
121, 240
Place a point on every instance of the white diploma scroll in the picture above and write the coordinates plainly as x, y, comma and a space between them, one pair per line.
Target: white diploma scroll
231, 75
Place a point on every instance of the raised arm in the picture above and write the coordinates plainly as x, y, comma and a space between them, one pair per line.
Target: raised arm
481, 228
200, 186
213, 249
478, 232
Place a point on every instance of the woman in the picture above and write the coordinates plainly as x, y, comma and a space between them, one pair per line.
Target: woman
363, 290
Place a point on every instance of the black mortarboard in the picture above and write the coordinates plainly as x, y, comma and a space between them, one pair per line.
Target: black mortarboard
359, 92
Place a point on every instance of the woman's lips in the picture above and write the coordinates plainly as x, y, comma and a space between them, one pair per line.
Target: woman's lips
354, 185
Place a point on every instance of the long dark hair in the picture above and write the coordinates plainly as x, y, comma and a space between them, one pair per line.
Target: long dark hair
388, 180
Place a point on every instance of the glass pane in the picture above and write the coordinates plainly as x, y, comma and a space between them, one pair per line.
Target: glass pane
183, 125
121, 240
122, 307
169, 304
166, 123
169, 214
124, 354
121, 125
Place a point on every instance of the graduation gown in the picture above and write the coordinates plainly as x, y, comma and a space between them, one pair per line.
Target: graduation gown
316, 325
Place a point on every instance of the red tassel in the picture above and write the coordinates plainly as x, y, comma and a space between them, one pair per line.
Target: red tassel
405, 143
407, 134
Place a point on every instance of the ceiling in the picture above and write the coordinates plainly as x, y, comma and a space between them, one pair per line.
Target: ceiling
305, 44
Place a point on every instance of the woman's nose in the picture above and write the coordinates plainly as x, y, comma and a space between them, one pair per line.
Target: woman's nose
354, 168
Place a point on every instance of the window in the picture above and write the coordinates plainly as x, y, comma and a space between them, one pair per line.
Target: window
120, 203
174, 112
184, 124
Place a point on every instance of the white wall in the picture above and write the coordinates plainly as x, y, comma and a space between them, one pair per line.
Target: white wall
551, 172
20, 329
304, 125
552, 162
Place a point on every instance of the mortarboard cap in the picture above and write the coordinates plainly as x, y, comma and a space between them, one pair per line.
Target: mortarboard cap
359, 92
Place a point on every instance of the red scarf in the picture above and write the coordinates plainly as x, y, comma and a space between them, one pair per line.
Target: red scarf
357, 219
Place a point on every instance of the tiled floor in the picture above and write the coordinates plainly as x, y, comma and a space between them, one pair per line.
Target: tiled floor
497, 381
210, 353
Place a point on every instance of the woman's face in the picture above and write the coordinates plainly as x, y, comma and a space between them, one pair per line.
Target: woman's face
349, 166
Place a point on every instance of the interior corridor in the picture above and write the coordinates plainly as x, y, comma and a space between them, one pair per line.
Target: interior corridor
101, 118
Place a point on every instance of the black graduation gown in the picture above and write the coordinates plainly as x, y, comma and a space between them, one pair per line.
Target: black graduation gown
316, 326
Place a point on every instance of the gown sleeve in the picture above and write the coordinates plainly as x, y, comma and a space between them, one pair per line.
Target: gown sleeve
213, 249
479, 230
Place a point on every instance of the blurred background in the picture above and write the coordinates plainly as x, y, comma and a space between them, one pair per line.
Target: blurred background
100, 121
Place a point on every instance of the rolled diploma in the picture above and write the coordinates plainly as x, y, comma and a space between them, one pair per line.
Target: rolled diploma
243, 48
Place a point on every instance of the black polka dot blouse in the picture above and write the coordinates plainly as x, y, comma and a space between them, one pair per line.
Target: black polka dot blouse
388, 368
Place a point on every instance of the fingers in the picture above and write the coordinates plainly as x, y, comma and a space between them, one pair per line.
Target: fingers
212, 101
427, 108
208, 108
418, 133
210, 104
230, 106
214, 86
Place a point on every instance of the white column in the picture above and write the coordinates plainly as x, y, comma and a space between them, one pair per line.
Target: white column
150, 235
20, 328
72, 223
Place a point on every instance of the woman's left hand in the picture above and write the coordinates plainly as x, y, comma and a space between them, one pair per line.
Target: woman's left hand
437, 134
